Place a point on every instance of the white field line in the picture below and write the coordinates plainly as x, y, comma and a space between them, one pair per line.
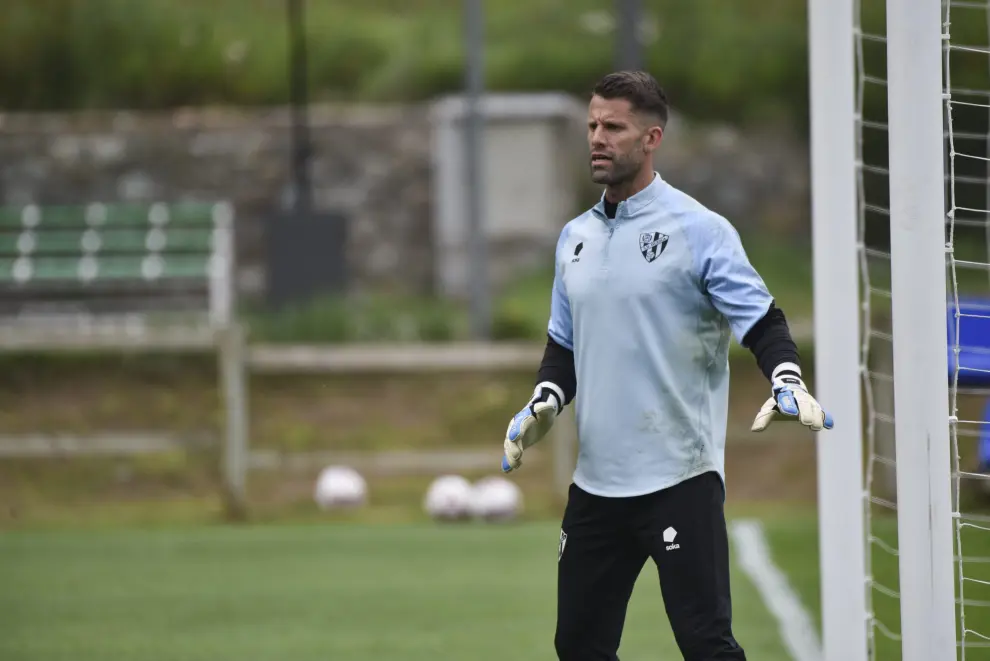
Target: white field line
793, 620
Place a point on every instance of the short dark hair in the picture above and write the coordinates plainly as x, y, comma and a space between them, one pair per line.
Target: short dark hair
639, 88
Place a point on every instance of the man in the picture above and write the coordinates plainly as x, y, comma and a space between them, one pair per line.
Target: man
648, 286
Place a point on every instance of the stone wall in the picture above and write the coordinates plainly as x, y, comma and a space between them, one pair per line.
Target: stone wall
373, 163
757, 177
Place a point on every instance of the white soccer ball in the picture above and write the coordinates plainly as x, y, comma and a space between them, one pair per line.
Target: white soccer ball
340, 487
496, 498
448, 498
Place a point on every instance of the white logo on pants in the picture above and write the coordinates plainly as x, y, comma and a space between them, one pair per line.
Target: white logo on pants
668, 538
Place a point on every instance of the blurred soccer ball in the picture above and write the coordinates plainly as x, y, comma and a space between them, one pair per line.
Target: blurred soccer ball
448, 498
340, 487
496, 498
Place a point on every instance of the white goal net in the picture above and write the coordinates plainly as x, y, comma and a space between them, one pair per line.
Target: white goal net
966, 94
918, 120
873, 235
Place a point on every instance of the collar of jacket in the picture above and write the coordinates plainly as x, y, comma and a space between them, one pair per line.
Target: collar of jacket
636, 203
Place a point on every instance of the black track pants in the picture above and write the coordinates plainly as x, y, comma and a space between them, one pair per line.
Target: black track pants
604, 545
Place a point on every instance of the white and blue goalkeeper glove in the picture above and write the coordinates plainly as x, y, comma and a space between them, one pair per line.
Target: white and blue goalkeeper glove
531, 423
791, 398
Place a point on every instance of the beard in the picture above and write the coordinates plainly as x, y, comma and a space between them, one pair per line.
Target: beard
619, 170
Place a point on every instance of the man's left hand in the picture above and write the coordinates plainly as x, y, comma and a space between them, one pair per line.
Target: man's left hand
791, 398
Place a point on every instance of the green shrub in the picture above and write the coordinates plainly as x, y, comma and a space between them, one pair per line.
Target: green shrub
379, 318
725, 60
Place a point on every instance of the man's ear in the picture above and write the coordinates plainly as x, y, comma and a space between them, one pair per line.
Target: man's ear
652, 138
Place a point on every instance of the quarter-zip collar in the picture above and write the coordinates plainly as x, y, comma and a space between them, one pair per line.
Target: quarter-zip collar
634, 204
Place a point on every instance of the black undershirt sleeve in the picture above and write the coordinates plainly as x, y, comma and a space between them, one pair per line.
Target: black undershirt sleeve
558, 367
771, 343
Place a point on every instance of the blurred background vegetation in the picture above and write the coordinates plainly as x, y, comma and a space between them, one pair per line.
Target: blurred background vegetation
73, 54
59, 55
520, 312
76, 54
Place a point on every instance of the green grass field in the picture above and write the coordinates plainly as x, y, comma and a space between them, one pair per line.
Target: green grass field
794, 539
361, 592
345, 592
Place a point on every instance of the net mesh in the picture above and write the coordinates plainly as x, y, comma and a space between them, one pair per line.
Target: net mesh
876, 351
966, 93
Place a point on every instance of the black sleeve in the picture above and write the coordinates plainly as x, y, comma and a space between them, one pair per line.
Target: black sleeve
770, 341
558, 367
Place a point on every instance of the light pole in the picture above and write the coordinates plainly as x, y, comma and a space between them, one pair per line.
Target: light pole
474, 83
628, 49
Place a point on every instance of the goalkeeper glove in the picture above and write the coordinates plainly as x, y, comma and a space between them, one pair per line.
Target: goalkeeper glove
791, 398
531, 423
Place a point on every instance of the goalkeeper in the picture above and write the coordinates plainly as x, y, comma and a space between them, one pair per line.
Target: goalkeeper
648, 286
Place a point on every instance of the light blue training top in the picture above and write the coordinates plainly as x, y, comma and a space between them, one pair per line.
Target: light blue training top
647, 301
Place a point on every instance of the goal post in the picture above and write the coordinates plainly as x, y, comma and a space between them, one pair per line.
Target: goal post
914, 178
918, 286
841, 520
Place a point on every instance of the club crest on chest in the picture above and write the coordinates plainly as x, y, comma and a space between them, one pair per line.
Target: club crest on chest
652, 244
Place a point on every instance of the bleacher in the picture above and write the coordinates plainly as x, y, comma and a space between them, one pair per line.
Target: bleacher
145, 277
128, 270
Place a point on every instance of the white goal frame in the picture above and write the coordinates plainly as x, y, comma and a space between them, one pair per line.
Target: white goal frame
917, 216
918, 287
841, 517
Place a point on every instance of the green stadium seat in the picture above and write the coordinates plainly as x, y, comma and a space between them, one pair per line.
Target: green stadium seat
10, 217
52, 268
49, 217
8, 243
186, 239
93, 243
57, 217
62, 242
57, 242
115, 240
187, 213
120, 268
126, 215
6, 269
187, 267
124, 240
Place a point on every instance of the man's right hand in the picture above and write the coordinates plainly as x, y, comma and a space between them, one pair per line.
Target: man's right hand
531, 423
